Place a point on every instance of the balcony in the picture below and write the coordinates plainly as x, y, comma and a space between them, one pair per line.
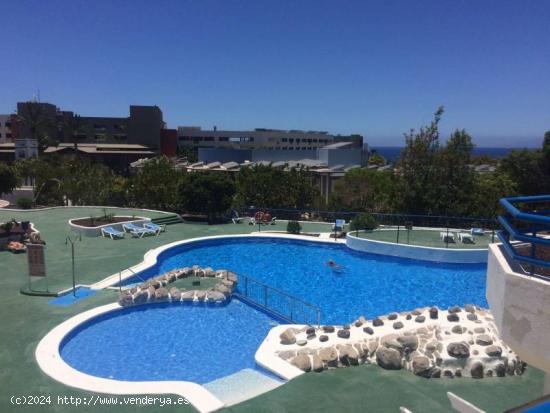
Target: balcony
518, 278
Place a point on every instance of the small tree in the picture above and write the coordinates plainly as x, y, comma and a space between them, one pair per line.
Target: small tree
8, 179
206, 192
363, 222
293, 227
155, 186
24, 203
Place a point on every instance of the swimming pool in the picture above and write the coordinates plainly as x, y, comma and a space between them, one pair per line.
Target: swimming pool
368, 285
190, 342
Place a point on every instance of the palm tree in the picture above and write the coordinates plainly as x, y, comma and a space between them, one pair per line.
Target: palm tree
37, 122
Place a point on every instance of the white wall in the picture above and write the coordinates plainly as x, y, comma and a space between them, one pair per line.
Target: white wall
459, 256
521, 307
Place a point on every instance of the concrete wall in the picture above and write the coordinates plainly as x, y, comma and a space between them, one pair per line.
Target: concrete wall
223, 155
280, 155
521, 307
416, 252
96, 231
145, 125
333, 157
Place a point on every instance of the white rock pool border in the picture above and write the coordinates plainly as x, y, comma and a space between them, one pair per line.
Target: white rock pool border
50, 361
486, 352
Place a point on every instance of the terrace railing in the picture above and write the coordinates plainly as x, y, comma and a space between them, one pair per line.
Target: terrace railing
525, 233
400, 221
283, 305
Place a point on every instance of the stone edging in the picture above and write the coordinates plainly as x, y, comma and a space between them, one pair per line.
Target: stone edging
430, 343
50, 361
155, 290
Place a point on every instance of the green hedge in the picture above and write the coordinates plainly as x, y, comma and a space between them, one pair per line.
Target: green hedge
293, 227
363, 222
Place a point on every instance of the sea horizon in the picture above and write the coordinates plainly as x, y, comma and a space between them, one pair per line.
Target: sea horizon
391, 153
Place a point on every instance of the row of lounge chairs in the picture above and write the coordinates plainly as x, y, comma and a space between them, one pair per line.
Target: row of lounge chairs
464, 237
148, 228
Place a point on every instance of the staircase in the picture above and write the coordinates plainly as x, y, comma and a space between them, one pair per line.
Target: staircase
167, 220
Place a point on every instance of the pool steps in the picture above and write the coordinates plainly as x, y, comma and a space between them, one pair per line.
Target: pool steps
242, 385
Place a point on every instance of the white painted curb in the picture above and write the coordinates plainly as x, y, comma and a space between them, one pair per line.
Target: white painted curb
51, 363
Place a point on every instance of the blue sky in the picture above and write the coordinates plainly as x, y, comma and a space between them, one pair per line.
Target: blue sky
377, 68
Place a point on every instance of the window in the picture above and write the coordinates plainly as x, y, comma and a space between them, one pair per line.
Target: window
223, 139
184, 138
8, 135
120, 136
291, 140
284, 140
297, 140
208, 138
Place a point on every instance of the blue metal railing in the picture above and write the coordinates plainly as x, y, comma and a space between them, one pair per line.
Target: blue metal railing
287, 307
526, 219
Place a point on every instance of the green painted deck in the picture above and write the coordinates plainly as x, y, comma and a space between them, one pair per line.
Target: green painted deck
426, 238
25, 320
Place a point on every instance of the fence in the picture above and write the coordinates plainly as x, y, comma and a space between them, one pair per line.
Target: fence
280, 303
401, 222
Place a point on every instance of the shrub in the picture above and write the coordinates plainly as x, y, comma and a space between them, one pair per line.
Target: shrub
293, 227
363, 222
24, 203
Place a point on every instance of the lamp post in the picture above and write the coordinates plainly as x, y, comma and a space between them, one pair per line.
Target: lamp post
71, 241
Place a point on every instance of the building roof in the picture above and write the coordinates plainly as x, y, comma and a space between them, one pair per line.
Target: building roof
105, 148
338, 145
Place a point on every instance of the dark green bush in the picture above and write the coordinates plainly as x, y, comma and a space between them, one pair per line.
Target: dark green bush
24, 203
293, 227
363, 222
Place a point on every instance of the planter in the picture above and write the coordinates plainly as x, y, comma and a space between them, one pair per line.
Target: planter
95, 231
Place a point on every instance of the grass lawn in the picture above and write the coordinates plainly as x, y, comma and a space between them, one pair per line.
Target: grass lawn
25, 320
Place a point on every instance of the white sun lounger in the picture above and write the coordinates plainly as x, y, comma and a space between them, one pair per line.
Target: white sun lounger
155, 227
112, 233
136, 231
447, 236
466, 238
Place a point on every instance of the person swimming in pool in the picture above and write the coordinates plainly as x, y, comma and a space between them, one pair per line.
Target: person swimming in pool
332, 264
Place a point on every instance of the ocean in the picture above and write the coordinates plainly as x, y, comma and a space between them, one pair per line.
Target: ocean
391, 153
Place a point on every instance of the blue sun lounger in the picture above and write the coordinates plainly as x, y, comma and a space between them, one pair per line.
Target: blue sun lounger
136, 231
111, 233
155, 227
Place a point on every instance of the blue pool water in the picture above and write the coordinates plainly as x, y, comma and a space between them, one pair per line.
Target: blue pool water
198, 343
369, 284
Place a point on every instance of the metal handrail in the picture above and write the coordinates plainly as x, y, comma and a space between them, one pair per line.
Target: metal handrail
536, 223
293, 301
120, 277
